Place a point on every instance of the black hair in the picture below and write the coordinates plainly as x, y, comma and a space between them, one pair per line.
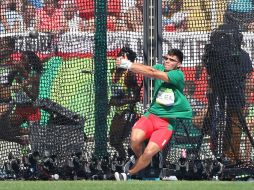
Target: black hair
33, 60
131, 55
54, 2
178, 4
12, 6
177, 53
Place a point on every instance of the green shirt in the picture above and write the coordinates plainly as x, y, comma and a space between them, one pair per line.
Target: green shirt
177, 106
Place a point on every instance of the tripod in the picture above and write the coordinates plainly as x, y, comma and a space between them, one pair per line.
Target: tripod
226, 123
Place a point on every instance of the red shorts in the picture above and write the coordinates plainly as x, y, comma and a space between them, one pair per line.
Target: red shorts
155, 128
29, 113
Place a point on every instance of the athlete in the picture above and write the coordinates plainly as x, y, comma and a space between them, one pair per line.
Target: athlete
168, 104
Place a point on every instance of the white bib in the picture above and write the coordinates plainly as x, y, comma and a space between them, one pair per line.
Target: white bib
165, 97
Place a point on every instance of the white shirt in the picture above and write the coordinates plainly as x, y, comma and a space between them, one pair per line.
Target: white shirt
12, 17
74, 23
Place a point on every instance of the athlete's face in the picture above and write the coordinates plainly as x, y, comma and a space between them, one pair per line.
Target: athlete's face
171, 62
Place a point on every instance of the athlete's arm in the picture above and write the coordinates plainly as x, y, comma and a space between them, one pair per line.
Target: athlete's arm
144, 70
149, 71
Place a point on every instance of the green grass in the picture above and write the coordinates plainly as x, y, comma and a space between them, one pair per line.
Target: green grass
129, 185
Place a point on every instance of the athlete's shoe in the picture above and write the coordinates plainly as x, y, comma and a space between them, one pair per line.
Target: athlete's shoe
121, 176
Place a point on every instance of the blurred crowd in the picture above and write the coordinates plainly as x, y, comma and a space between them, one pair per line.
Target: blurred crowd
122, 15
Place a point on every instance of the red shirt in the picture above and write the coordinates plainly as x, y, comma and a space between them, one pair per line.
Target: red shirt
86, 8
55, 22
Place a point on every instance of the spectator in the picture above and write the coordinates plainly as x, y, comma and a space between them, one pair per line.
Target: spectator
4, 23
71, 14
125, 5
38, 4
114, 19
220, 8
134, 17
11, 19
50, 18
174, 19
240, 12
18, 4
199, 15
113, 24
89, 24
86, 8
29, 15
86, 12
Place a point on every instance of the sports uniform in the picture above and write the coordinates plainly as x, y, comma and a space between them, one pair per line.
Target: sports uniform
168, 104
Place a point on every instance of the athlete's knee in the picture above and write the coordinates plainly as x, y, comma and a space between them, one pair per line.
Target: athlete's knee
148, 153
137, 136
136, 143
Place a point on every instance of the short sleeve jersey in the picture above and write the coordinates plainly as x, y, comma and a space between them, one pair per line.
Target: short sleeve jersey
180, 107
86, 8
49, 23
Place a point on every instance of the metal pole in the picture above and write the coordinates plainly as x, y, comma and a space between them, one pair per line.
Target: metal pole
152, 14
159, 38
100, 78
145, 47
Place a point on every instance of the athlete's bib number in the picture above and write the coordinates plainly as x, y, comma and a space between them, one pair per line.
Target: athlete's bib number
165, 97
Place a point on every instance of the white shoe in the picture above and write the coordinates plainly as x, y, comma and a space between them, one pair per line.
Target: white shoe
117, 176
172, 178
124, 175
120, 176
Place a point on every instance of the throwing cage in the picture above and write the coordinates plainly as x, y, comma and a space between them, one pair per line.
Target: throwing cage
57, 112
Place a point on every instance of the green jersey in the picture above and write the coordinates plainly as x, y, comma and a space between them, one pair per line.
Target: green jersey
169, 100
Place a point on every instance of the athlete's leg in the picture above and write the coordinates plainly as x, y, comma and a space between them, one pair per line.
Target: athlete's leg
144, 160
141, 131
137, 139
158, 139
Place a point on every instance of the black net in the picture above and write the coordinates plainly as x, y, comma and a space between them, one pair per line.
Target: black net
65, 107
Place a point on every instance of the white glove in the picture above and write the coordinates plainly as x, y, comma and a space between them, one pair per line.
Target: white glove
125, 64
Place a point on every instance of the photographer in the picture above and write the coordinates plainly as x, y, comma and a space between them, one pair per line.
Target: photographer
8, 72
28, 80
125, 95
228, 67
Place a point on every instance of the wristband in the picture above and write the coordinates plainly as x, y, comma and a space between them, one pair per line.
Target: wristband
125, 64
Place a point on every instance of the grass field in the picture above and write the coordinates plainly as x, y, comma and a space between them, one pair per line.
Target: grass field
128, 185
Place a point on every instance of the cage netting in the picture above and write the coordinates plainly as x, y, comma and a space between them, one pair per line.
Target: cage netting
64, 106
